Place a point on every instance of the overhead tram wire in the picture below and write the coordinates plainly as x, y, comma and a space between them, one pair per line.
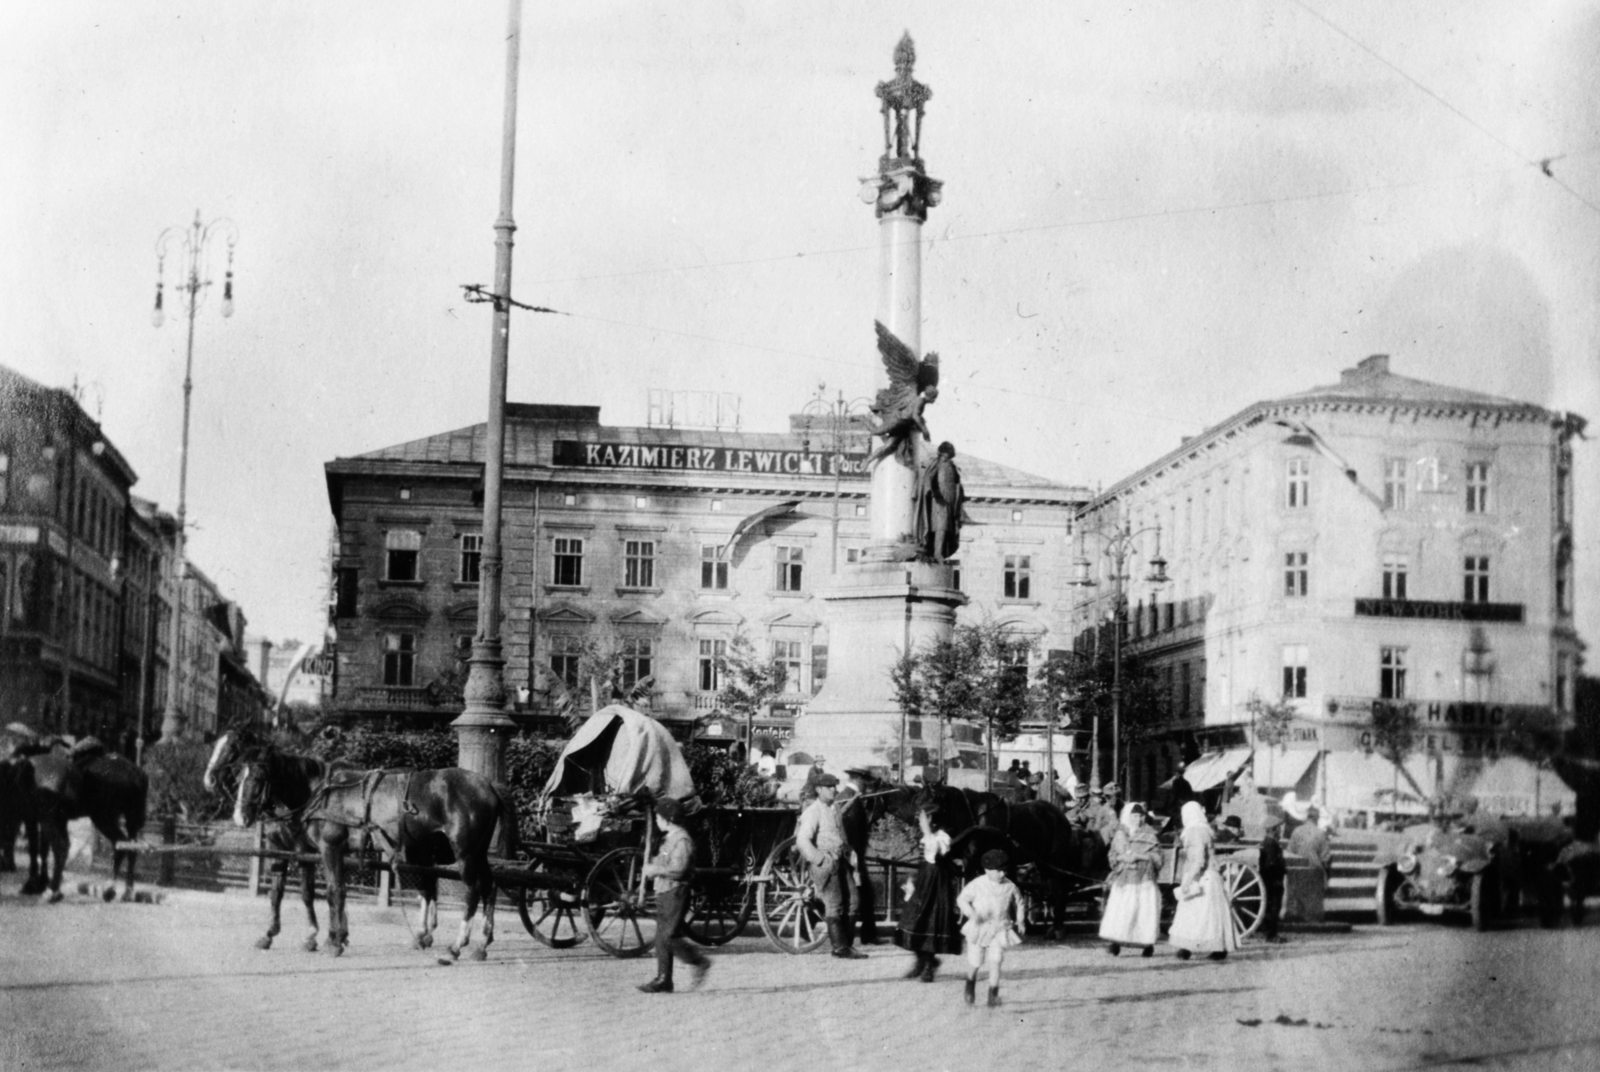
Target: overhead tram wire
1479, 127
1136, 217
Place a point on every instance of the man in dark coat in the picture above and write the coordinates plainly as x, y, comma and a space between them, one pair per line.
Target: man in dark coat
1274, 870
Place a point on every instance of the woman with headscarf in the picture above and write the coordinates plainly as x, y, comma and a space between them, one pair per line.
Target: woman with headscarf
929, 925
1133, 903
1204, 921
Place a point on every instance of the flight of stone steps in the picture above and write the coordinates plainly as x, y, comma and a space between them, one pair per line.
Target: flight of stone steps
1353, 879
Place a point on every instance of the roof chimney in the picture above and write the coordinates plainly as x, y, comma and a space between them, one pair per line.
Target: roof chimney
1366, 369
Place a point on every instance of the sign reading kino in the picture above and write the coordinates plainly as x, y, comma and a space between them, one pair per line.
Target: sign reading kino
708, 458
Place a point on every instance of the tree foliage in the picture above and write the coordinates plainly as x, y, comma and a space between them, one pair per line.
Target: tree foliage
750, 681
1078, 686
1394, 737
979, 673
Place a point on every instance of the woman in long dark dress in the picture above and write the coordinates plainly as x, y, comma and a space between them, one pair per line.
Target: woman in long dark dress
929, 925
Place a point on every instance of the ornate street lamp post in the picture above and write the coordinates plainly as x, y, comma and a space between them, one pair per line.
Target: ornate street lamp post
1118, 545
196, 239
837, 417
482, 725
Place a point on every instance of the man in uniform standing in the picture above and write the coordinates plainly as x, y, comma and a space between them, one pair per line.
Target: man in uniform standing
820, 838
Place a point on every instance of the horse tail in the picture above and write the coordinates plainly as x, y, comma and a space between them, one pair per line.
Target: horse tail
509, 821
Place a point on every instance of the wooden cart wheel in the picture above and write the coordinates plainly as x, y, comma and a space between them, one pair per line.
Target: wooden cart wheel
620, 916
719, 909
788, 907
552, 916
1247, 896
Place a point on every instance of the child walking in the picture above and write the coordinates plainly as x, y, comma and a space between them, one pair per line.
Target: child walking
992, 909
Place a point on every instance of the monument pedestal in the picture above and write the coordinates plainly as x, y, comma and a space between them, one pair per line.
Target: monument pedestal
876, 613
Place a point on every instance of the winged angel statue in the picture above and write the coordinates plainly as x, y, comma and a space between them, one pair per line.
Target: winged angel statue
913, 384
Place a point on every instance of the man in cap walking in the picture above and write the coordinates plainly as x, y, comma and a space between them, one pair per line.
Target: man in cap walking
820, 838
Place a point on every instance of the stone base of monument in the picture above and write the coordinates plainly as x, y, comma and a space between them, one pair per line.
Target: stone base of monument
876, 612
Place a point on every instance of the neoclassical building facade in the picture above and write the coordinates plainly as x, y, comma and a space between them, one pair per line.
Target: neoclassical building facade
658, 545
1377, 541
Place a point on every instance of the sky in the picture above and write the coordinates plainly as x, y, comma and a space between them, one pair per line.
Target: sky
1153, 216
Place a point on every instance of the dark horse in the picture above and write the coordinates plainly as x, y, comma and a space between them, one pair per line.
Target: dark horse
293, 778
427, 818
1066, 860
71, 783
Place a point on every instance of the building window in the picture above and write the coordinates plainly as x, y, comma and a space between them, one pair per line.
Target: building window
852, 555
1295, 658
1394, 576
791, 568
641, 502
1394, 483
713, 570
1016, 515
569, 561
1391, 673
1018, 577
712, 652
405, 493
1477, 487
639, 564
403, 548
569, 499
399, 658
1299, 489
1185, 690
955, 575
790, 654
566, 657
1475, 579
471, 557
638, 660
1295, 574
861, 510
716, 506
346, 587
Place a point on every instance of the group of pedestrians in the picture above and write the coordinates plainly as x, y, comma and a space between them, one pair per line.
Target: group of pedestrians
984, 916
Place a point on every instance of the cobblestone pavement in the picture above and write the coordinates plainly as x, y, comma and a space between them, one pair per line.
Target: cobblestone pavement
85, 985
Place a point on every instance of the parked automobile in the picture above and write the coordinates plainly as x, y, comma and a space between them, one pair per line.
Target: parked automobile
1452, 865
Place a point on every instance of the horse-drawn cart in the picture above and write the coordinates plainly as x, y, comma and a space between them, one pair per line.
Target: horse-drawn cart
582, 878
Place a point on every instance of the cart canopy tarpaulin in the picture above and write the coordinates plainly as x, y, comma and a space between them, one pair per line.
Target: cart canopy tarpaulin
619, 750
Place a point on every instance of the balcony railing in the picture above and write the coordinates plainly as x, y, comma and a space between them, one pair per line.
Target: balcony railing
410, 697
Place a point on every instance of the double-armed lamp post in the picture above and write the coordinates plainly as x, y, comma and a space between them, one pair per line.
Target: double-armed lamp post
196, 239
1119, 544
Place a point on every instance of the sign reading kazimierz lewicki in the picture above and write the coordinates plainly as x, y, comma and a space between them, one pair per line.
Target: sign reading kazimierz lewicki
708, 458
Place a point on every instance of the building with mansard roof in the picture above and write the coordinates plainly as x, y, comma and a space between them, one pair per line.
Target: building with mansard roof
658, 545
1374, 543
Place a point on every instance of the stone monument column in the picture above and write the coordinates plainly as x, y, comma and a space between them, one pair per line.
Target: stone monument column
893, 600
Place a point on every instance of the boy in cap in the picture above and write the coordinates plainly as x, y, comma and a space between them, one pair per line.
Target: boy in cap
1274, 869
820, 838
671, 868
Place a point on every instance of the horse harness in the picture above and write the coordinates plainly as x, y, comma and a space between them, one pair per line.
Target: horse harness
369, 783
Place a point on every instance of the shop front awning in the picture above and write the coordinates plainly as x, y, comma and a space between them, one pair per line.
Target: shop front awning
1365, 780
1511, 785
1214, 768
1282, 770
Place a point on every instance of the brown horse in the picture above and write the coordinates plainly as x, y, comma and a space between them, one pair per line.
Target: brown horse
293, 777
71, 783
426, 818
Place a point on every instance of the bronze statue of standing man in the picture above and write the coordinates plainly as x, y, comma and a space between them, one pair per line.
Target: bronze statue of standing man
938, 510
